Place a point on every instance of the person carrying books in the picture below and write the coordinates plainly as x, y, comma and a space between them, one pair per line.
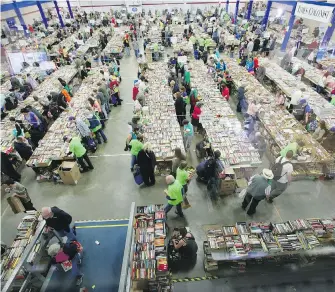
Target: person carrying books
174, 195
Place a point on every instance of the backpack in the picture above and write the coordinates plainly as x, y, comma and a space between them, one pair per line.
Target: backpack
277, 169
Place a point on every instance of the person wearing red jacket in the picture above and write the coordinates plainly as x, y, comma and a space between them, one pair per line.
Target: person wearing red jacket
225, 92
135, 90
256, 63
196, 116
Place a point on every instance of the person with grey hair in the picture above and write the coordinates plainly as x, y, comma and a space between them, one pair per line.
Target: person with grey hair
174, 195
258, 189
146, 160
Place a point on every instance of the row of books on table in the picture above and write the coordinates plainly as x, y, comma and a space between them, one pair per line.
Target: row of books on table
149, 252
26, 231
261, 239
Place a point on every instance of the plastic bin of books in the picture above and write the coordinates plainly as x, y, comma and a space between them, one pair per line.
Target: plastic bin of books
149, 267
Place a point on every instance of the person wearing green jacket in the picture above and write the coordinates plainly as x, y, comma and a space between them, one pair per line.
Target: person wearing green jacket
295, 147
79, 152
201, 43
174, 195
135, 146
183, 176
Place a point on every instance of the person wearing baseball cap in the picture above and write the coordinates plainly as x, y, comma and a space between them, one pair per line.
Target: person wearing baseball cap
258, 189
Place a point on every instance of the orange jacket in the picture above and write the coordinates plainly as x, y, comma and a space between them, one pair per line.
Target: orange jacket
66, 95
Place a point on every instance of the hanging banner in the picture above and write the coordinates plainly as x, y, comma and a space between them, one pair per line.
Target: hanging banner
314, 12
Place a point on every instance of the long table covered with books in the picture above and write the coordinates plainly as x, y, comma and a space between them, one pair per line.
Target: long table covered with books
161, 128
280, 127
24, 254
52, 147
269, 245
313, 74
289, 83
223, 129
50, 84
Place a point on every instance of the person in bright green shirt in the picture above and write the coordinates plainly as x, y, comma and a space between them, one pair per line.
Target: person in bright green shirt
136, 146
174, 195
79, 152
183, 176
193, 39
207, 43
201, 43
294, 146
332, 100
156, 51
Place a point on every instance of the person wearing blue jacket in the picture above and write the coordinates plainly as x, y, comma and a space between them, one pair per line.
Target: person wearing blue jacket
221, 65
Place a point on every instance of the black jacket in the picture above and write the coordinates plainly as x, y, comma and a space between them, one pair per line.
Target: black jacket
23, 149
179, 105
60, 220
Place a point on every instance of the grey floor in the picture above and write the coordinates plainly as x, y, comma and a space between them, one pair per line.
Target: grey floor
108, 191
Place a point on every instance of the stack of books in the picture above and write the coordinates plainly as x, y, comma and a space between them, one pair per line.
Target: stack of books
215, 239
282, 228
149, 252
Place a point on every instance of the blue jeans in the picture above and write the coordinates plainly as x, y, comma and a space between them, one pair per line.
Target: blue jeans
136, 53
75, 272
102, 134
127, 51
168, 207
156, 56
133, 161
70, 235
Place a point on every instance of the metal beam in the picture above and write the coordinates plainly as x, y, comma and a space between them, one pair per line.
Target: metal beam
249, 9
69, 6
267, 14
329, 32
20, 17
290, 26
236, 10
44, 19
59, 15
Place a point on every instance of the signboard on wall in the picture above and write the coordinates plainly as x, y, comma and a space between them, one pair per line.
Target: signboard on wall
314, 12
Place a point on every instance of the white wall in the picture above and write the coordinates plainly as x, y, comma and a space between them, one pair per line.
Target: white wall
28, 13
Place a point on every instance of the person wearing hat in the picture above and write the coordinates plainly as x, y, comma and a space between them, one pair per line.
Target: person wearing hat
174, 195
259, 188
283, 176
79, 152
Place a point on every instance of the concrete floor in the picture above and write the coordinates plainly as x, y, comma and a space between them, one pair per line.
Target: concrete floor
108, 191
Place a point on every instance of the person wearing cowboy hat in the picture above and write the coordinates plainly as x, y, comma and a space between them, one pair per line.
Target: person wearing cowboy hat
258, 189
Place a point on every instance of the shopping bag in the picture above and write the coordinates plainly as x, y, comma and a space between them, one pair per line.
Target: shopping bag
185, 204
16, 205
242, 193
137, 176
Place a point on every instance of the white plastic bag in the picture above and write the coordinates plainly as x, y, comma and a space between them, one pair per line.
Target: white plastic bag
242, 193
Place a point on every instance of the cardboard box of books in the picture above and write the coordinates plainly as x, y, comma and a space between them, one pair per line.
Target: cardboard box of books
69, 172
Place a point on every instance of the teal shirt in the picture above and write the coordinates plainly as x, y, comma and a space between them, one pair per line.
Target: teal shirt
136, 146
188, 130
76, 147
